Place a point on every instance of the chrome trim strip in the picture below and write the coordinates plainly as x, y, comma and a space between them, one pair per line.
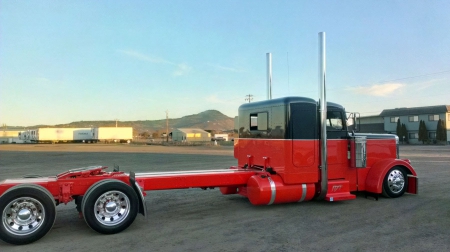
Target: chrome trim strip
197, 172
304, 188
274, 191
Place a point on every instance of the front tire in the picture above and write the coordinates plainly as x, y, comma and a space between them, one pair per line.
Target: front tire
110, 206
395, 182
28, 213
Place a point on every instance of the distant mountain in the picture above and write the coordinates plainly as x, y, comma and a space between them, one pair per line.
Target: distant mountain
207, 120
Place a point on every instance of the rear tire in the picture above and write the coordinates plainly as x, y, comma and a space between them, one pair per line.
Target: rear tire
395, 182
28, 212
110, 206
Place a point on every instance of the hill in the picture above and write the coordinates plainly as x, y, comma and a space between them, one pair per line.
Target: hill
212, 120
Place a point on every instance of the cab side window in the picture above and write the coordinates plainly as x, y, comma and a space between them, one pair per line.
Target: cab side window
334, 121
335, 125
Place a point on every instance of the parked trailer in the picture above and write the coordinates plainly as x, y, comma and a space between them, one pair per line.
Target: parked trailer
25, 136
114, 134
290, 149
56, 135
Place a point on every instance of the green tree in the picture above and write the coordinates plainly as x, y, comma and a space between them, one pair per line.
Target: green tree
399, 129
420, 130
423, 133
404, 133
439, 131
444, 131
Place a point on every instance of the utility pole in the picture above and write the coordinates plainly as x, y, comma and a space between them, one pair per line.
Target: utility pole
116, 122
249, 98
167, 125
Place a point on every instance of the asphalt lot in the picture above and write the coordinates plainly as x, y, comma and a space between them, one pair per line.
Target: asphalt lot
197, 220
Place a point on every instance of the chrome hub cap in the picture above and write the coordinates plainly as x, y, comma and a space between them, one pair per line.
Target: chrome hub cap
111, 208
396, 181
23, 216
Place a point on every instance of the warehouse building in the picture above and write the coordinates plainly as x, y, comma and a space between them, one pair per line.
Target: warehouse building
411, 117
386, 122
190, 135
10, 136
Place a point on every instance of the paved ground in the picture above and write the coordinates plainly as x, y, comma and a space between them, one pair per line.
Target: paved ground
197, 220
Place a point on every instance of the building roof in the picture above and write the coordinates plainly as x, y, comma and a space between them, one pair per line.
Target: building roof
416, 111
370, 116
192, 130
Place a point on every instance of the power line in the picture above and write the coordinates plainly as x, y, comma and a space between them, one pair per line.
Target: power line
417, 76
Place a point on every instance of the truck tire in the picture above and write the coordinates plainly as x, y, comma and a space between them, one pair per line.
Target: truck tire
110, 206
395, 182
28, 213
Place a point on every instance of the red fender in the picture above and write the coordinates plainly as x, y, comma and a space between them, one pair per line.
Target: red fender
376, 174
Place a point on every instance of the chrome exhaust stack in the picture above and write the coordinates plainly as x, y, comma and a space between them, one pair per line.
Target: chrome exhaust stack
269, 76
323, 118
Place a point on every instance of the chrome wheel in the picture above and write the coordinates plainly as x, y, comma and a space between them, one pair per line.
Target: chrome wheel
23, 216
111, 208
28, 213
396, 181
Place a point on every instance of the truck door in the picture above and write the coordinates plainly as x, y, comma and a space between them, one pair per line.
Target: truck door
337, 147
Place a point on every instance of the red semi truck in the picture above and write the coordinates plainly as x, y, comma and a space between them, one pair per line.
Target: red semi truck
289, 149
278, 154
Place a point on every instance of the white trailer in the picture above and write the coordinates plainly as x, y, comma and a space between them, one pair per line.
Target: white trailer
83, 135
56, 135
113, 134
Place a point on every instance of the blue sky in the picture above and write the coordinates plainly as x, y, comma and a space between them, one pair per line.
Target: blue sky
65, 61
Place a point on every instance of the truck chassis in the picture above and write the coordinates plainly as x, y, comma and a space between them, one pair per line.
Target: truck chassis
110, 201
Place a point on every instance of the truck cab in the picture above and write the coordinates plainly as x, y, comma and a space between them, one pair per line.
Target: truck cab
282, 136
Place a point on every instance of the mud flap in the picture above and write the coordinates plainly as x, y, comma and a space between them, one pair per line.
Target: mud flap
142, 207
413, 184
